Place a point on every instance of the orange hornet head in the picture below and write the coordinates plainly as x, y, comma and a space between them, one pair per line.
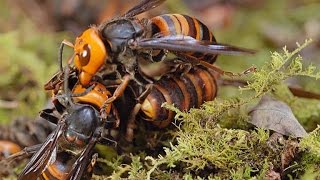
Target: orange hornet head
90, 54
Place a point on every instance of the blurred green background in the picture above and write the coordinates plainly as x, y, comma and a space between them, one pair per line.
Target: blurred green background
31, 31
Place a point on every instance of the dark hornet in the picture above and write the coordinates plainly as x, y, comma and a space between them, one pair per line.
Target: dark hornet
67, 151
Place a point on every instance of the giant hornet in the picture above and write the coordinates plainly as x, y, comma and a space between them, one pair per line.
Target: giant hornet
186, 91
67, 151
128, 46
128, 42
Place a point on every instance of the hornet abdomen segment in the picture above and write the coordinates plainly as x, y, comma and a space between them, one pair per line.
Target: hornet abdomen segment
178, 24
61, 167
186, 91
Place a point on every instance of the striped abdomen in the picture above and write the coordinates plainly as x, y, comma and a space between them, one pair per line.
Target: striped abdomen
178, 24
186, 91
62, 166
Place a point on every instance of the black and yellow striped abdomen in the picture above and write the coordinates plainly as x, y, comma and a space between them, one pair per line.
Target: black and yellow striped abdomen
184, 91
178, 24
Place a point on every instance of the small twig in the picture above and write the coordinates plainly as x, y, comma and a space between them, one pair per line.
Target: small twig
8, 104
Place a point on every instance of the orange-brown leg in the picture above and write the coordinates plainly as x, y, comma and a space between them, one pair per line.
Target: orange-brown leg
116, 116
195, 61
120, 90
22, 154
117, 93
131, 125
221, 71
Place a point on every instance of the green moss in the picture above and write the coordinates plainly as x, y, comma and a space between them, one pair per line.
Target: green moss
204, 149
311, 144
310, 161
310, 173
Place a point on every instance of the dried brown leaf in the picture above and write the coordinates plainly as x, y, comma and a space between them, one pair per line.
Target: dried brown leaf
277, 116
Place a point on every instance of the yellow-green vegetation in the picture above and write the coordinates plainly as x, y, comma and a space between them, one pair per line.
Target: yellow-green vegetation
310, 160
277, 24
26, 64
28, 59
204, 149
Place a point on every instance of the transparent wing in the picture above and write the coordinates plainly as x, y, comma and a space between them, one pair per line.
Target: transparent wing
143, 6
189, 44
42, 158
